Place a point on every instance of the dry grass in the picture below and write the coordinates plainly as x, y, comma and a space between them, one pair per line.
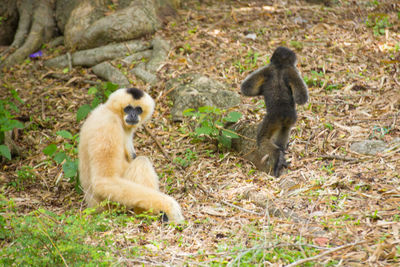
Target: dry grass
325, 200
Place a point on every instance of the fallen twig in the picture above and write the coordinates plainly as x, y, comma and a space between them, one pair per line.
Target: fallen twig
240, 208
296, 263
337, 157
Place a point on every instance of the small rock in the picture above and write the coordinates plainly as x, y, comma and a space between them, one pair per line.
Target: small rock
251, 36
369, 147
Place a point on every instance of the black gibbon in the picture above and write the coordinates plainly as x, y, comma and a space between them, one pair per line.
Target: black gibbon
282, 87
108, 166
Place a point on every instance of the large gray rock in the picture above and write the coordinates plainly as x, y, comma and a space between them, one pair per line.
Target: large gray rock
196, 90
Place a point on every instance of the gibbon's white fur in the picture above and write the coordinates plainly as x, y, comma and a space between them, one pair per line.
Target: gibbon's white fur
108, 166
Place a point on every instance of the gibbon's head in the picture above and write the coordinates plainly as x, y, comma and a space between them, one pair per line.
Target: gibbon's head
133, 105
283, 56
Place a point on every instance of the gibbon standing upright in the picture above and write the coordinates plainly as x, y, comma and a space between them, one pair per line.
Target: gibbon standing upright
108, 166
282, 87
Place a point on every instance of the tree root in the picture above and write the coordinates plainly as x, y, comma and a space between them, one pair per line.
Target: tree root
159, 54
92, 57
40, 24
96, 58
106, 71
136, 57
147, 72
140, 72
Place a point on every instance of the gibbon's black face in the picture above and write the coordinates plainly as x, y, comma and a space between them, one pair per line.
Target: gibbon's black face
132, 114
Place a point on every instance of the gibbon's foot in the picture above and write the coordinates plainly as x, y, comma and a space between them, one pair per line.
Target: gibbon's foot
164, 217
273, 162
174, 214
280, 163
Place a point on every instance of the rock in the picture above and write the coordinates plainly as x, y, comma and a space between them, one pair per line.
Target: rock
196, 90
369, 147
251, 36
373, 147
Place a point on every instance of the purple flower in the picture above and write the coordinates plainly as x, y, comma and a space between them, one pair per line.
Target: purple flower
37, 54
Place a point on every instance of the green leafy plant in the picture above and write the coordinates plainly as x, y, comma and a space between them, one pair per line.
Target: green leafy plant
210, 123
315, 79
7, 121
296, 44
186, 49
187, 158
380, 132
100, 95
66, 155
328, 168
24, 174
250, 62
379, 23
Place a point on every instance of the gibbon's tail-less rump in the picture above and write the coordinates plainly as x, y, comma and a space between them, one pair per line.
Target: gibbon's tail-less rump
282, 87
108, 166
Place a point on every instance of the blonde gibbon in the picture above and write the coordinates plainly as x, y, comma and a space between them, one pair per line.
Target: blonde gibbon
108, 166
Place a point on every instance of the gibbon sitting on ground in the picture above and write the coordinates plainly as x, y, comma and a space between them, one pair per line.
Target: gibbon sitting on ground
108, 166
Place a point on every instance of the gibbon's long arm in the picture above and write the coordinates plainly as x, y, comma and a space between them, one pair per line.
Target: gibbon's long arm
298, 86
251, 86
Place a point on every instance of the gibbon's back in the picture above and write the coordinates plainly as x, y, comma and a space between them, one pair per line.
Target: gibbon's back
277, 93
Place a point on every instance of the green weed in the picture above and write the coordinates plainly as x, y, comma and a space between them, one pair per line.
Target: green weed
25, 174
7, 122
380, 132
209, 122
297, 45
187, 158
43, 238
66, 155
315, 80
328, 168
250, 62
379, 23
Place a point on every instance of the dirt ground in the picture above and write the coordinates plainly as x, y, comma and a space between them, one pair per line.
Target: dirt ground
329, 197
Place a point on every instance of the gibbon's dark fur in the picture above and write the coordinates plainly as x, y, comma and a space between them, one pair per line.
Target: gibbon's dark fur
282, 87
108, 166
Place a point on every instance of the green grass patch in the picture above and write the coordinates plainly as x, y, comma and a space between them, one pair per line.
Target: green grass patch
43, 238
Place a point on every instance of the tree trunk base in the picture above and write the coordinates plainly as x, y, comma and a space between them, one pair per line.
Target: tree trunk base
36, 26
